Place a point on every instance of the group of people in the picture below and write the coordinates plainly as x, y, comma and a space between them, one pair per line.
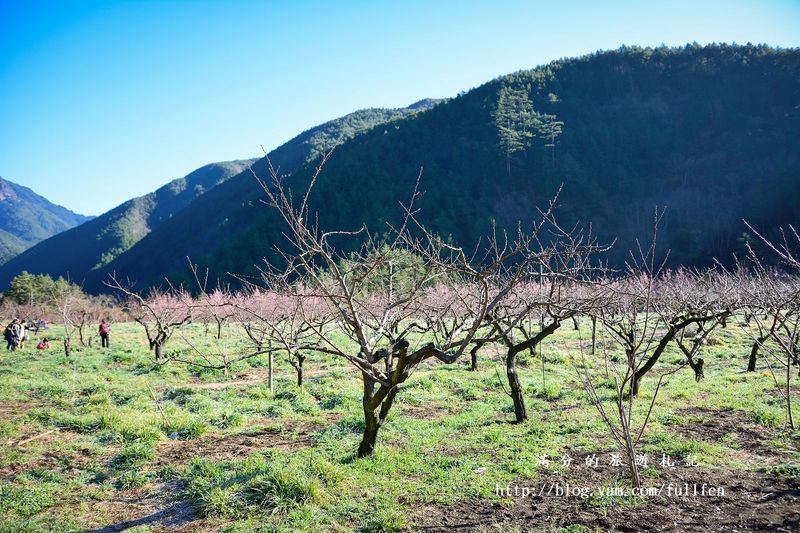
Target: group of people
16, 333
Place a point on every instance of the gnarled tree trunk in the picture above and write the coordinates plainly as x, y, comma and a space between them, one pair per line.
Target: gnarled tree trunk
298, 366
158, 348
520, 413
515, 386
473, 354
751, 363
376, 409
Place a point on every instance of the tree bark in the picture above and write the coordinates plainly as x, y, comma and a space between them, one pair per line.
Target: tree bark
382, 400
662, 345
751, 363
300, 359
373, 417
473, 353
694, 364
520, 413
371, 427
697, 366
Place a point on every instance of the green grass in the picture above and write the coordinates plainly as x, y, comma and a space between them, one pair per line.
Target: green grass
284, 460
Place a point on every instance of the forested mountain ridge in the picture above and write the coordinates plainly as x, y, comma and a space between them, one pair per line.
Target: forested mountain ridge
27, 218
76, 252
88, 254
711, 133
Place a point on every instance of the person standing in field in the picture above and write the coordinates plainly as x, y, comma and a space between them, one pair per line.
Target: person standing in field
23, 334
105, 332
8, 335
17, 332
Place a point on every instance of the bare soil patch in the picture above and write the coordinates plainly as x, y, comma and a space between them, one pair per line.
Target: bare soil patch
426, 411
252, 377
779, 392
12, 410
291, 435
753, 499
151, 507
734, 429
56, 460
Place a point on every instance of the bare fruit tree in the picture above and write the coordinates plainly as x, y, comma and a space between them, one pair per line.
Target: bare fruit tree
160, 313
288, 321
777, 293
642, 313
552, 298
707, 297
68, 299
371, 300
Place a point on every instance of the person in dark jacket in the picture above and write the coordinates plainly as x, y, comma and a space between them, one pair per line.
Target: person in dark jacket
8, 335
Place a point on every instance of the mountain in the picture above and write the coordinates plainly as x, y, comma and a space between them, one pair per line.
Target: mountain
27, 218
76, 252
711, 133
186, 215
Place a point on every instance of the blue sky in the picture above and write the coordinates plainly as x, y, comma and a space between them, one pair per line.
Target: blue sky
101, 101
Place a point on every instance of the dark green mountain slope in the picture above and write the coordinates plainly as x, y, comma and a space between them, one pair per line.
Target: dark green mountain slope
88, 253
78, 251
26, 218
712, 133
210, 219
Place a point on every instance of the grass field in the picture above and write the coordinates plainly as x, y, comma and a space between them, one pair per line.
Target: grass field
107, 441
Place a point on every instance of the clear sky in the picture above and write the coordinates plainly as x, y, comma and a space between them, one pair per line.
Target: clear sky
101, 101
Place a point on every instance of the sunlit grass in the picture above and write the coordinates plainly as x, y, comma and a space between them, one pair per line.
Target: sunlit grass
114, 415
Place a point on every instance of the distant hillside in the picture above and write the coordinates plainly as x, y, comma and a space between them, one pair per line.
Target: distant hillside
27, 218
177, 220
207, 223
76, 252
712, 133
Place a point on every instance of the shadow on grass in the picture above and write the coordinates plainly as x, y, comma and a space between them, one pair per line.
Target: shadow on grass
175, 515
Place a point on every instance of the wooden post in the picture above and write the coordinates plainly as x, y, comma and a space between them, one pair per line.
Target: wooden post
269, 345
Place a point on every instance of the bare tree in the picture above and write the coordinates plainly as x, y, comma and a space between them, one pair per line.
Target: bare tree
709, 296
66, 298
658, 310
371, 300
553, 298
642, 313
290, 319
160, 314
85, 313
778, 295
